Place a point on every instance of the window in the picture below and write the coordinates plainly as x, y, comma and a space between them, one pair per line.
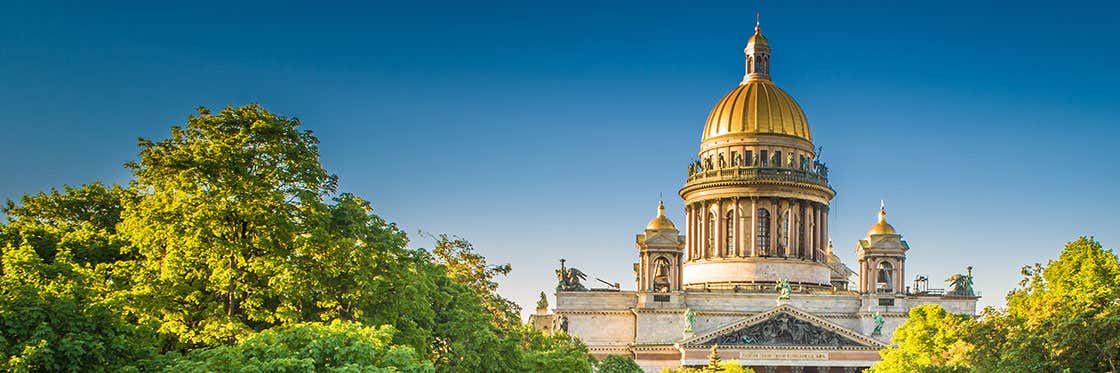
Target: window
778, 158
763, 159
747, 160
884, 281
763, 236
729, 229
661, 280
886, 301
783, 234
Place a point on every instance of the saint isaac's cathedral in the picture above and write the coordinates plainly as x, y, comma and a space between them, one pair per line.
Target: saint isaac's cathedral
752, 274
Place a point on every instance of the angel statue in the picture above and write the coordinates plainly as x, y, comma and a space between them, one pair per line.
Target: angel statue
568, 279
961, 285
689, 321
783, 289
878, 324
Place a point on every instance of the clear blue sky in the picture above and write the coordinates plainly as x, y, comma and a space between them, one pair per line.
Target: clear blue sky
546, 131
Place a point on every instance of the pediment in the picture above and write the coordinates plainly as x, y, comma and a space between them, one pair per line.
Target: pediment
782, 326
662, 239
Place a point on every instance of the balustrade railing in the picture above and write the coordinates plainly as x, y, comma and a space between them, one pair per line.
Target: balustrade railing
761, 173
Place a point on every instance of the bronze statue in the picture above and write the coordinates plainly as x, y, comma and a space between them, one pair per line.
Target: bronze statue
878, 324
961, 285
568, 279
543, 302
783, 289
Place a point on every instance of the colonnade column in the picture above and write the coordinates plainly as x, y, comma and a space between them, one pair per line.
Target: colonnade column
736, 229
805, 222
775, 217
819, 227
721, 231
824, 228
753, 227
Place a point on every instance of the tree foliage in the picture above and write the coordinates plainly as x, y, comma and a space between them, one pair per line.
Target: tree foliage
52, 320
232, 245
930, 337
467, 267
617, 364
556, 352
310, 347
1065, 316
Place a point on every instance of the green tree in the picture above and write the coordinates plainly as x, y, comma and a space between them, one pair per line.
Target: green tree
467, 267
1064, 315
310, 347
226, 205
82, 221
556, 352
51, 320
930, 339
617, 364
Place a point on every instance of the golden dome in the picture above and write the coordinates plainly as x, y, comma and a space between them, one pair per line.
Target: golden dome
757, 39
882, 227
757, 106
660, 222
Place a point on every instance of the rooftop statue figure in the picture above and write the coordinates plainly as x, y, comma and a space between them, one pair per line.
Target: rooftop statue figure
689, 321
878, 324
961, 285
543, 302
783, 289
568, 279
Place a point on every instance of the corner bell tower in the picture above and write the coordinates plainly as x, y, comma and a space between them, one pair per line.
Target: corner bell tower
660, 250
882, 258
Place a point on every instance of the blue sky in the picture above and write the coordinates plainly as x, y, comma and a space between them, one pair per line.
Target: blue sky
540, 131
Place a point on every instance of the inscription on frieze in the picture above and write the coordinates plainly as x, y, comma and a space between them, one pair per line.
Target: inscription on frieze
782, 355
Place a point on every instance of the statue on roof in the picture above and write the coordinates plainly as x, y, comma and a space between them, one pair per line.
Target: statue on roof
568, 279
961, 285
783, 289
543, 302
879, 321
689, 321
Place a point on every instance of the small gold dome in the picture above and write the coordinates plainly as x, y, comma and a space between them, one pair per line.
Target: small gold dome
757, 39
660, 222
757, 107
882, 227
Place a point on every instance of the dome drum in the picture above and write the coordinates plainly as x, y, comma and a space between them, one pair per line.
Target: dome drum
755, 270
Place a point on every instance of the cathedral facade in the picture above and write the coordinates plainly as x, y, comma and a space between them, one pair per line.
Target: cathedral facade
752, 276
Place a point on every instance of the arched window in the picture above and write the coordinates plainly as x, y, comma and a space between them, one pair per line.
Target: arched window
762, 239
884, 282
783, 234
729, 229
661, 281
711, 234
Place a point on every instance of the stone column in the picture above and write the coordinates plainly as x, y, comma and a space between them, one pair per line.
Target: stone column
819, 227
721, 230
752, 240
900, 275
704, 230
824, 228
805, 221
775, 217
736, 223
791, 233
688, 230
